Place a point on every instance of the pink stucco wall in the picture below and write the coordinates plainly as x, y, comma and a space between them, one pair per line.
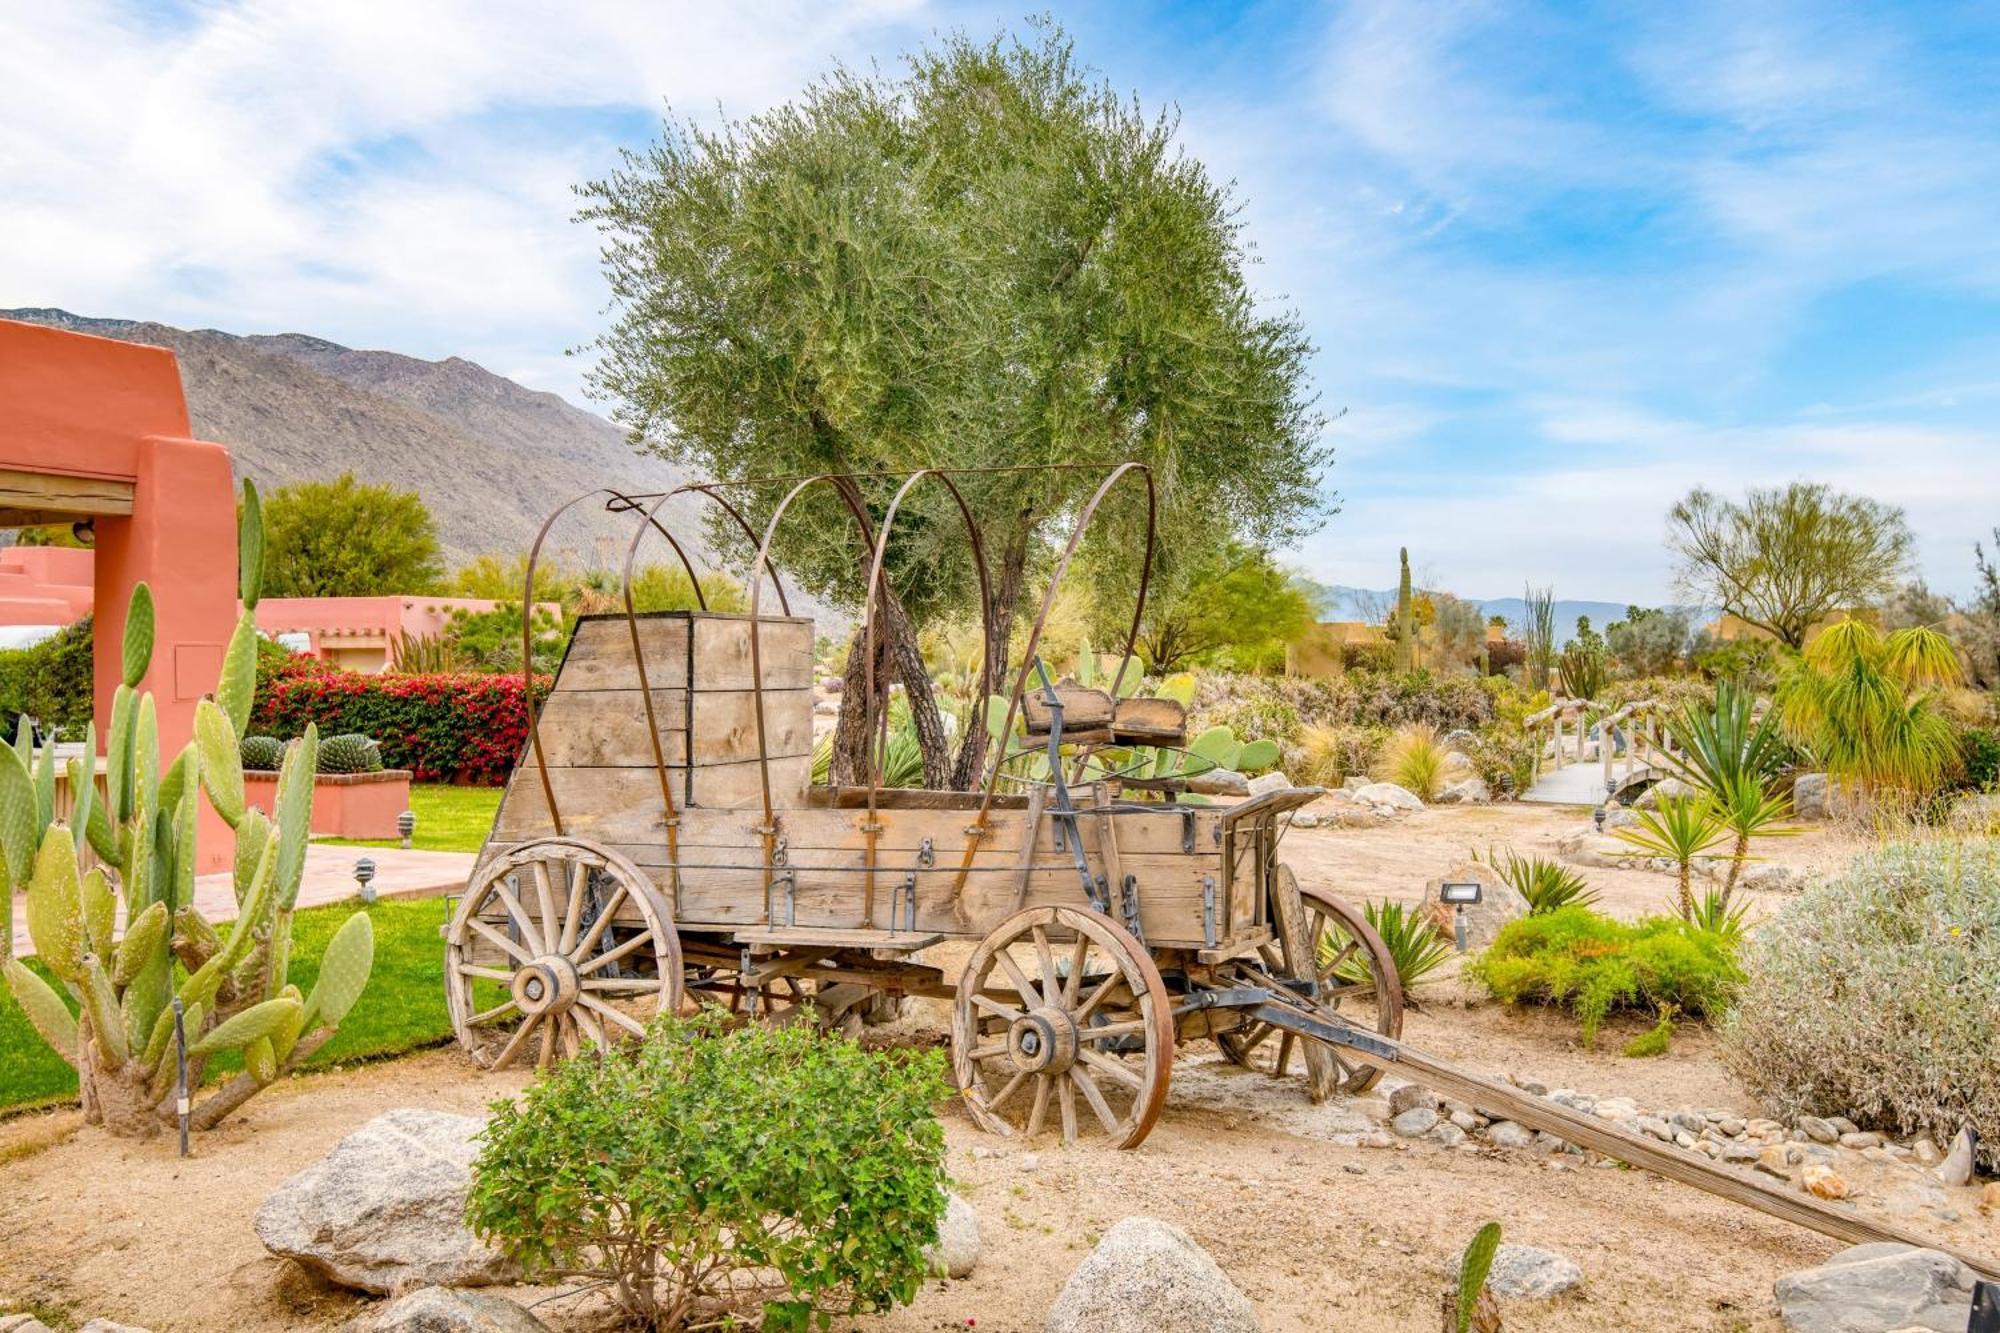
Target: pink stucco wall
94, 407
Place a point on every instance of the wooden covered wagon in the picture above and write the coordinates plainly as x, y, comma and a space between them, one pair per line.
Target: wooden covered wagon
662, 842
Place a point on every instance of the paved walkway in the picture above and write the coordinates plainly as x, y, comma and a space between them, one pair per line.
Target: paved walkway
1572, 784
329, 879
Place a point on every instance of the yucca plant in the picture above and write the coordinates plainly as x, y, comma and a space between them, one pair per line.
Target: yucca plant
1867, 706
1749, 811
1679, 828
1547, 885
1714, 916
229, 983
1415, 943
1413, 758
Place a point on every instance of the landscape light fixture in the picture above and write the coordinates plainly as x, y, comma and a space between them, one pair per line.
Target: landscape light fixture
406, 825
1597, 818
85, 532
1460, 894
364, 875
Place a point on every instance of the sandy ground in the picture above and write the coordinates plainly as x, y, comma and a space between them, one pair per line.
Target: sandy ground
1319, 1234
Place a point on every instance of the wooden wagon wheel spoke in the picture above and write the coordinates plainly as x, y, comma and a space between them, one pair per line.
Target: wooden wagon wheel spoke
1103, 1029
1327, 936
499, 941
579, 888
530, 937
547, 962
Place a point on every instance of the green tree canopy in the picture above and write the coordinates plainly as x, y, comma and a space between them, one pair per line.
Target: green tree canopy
344, 538
1788, 557
1234, 605
991, 260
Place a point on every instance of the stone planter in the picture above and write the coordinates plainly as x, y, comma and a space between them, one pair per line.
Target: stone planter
345, 805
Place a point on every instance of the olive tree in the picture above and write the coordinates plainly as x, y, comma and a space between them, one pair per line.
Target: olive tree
1787, 557
989, 260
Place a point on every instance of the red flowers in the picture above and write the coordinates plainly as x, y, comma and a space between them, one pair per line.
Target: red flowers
453, 727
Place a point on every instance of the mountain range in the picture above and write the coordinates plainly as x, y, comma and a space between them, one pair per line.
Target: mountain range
1340, 602
490, 457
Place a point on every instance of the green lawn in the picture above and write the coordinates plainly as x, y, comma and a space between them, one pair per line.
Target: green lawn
449, 819
402, 1008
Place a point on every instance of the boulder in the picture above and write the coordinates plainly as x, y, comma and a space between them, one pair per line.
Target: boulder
956, 1249
1499, 902
1389, 795
1878, 1287
1664, 789
1265, 783
445, 1310
1528, 1272
1466, 791
1353, 783
1509, 1134
22, 1323
1146, 1276
1956, 1169
1415, 1122
385, 1210
1771, 879
1585, 846
109, 1326
1815, 796
1977, 814
1408, 1095
1219, 782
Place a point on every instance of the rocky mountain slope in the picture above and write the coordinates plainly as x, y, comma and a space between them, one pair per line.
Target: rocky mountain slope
490, 457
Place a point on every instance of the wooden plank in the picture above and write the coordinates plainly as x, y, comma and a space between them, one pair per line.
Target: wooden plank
600, 654
623, 805
607, 728
57, 494
1492, 1097
881, 941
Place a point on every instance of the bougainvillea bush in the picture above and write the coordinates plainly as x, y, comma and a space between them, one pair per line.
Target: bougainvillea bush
447, 727
1876, 995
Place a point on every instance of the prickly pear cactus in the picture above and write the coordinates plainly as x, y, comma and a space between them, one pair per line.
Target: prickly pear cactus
350, 753
261, 754
230, 980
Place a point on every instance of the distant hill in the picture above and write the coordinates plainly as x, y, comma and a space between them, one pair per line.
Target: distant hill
1339, 602
490, 457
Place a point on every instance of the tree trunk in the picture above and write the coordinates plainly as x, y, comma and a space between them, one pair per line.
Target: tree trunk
968, 771
1736, 859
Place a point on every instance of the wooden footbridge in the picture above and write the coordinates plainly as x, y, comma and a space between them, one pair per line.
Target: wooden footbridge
1565, 776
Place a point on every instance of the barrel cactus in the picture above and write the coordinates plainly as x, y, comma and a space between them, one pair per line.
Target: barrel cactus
262, 754
349, 753
230, 980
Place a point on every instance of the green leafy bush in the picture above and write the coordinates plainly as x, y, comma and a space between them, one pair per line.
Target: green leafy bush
1592, 964
1876, 995
50, 682
702, 1167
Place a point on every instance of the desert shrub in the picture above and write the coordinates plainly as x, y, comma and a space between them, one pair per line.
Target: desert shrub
1413, 758
1591, 964
1505, 655
1328, 753
1417, 945
703, 1168
1876, 995
1982, 758
50, 682
456, 727
1367, 656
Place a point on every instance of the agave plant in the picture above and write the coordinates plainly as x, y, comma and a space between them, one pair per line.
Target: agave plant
1547, 885
228, 986
1679, 828
1415, 943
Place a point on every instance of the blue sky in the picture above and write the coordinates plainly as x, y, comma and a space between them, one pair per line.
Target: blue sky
1561, 262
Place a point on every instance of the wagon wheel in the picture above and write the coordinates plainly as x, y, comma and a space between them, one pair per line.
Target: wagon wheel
556, 945
1059, 1006
1356, 975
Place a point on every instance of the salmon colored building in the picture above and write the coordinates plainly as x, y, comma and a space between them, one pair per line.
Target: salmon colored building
95, 431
